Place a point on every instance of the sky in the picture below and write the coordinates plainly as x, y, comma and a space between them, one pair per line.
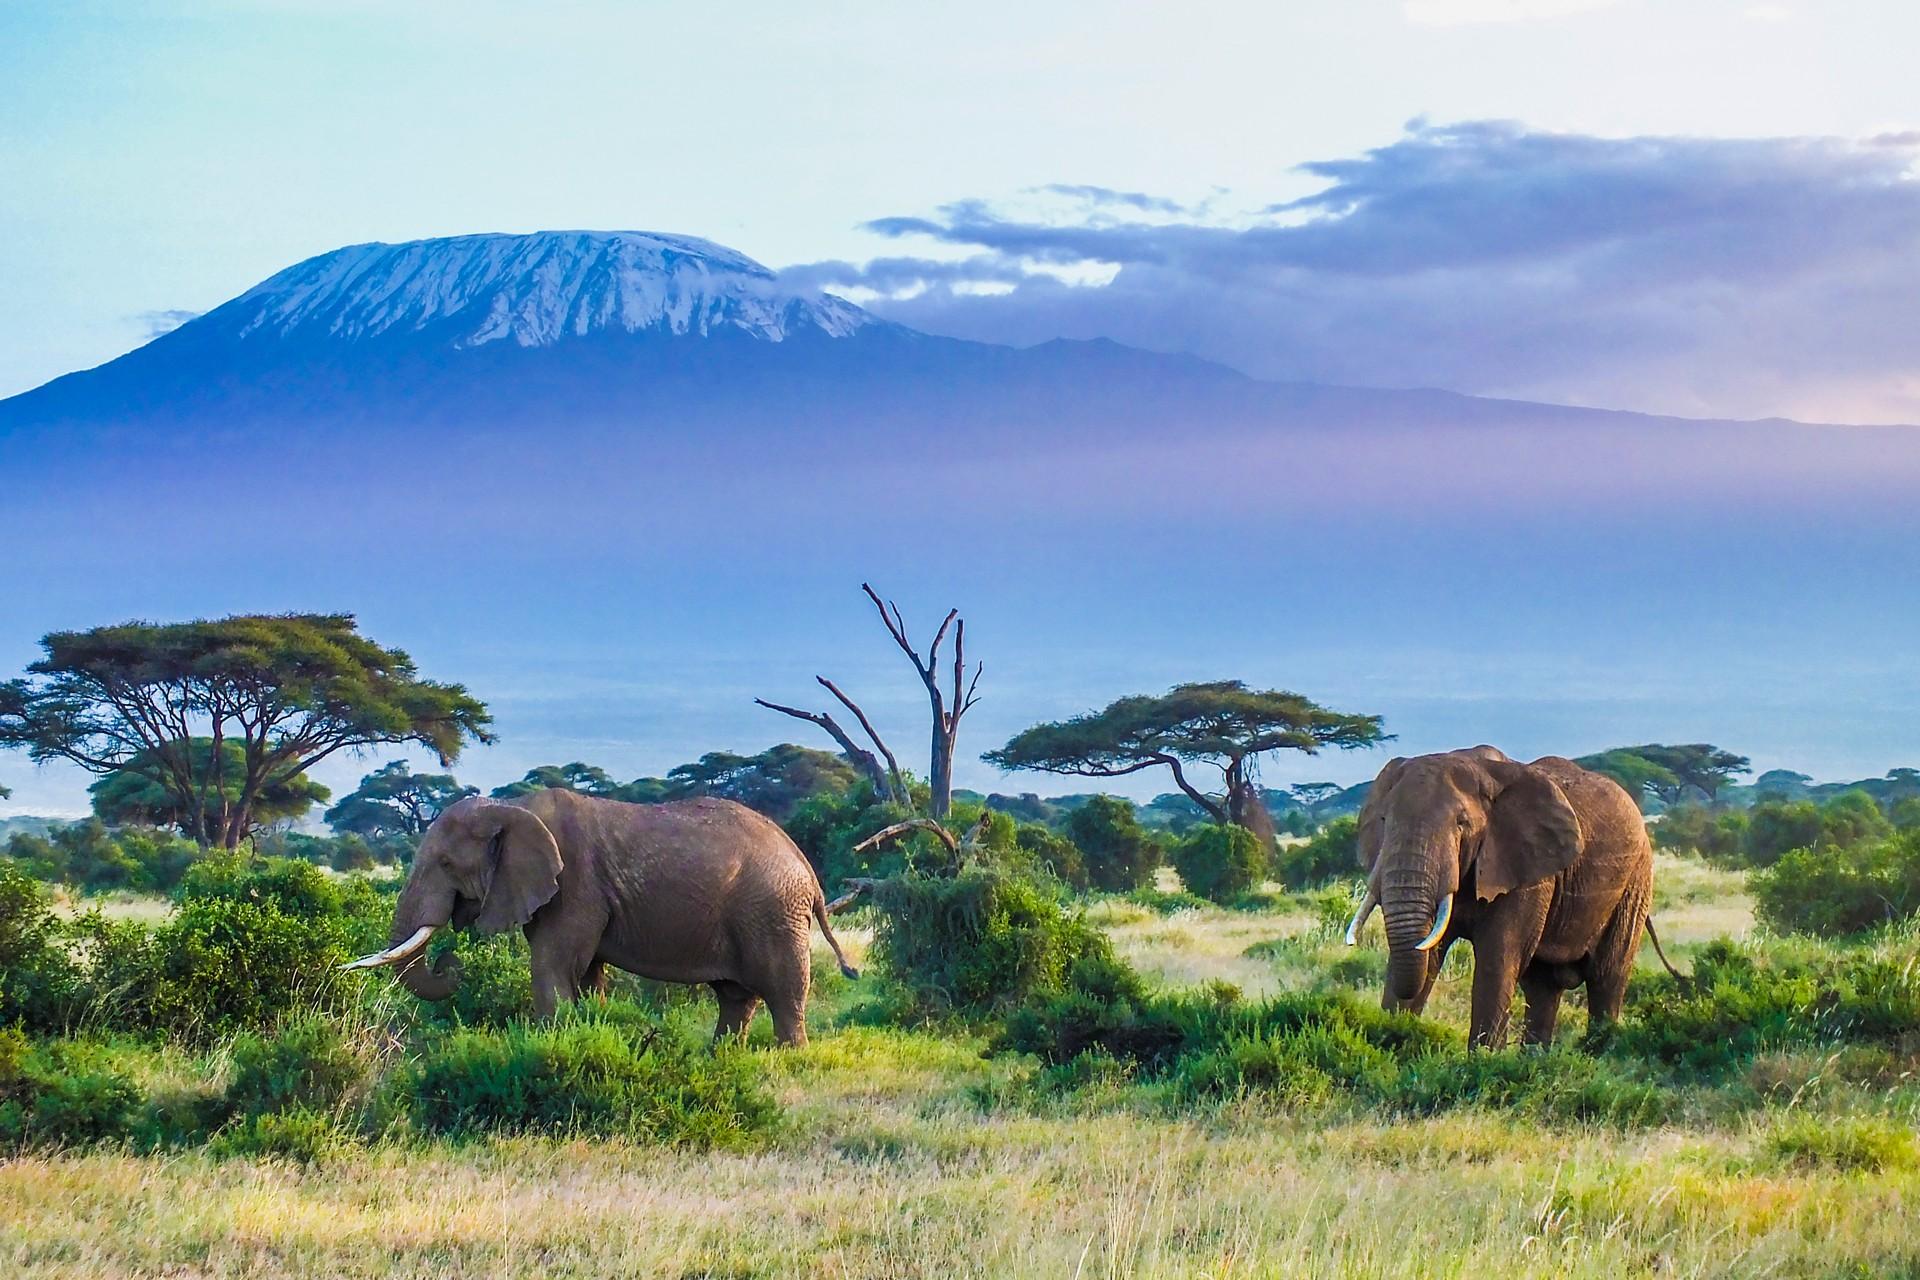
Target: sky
1694, 206
1690, 206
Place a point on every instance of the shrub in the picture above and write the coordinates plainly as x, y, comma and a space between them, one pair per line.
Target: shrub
1054, 854
1557, 1084
1332, 853
307, 1063
1120, 854
300, 1135
496, 983
1832, 892
222, 965
1738, 1003
1842, 1142
979, 942
295, 888
38, 982
1220, 862
1690, 828
590, 1075
61, 1093
1775, 826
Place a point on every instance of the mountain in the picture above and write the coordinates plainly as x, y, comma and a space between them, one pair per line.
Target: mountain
623, 482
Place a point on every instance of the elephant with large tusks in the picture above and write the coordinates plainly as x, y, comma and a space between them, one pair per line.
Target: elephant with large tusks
694, 891
1544, 867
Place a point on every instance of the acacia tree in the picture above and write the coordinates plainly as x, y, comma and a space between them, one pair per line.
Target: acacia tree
1220, 723
947, 709
146, 794
1669, 772
290, 689
394, 800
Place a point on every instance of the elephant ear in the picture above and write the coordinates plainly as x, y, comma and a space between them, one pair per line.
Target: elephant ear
1373, 814
1532, 832
523, 871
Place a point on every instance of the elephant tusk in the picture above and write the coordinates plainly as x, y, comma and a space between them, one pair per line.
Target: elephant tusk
1359, 921
1441, 919
393, 955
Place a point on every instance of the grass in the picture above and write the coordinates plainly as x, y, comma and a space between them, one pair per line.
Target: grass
908, 1153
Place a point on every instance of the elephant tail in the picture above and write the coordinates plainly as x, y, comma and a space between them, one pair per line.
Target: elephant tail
1660, 951
820, 914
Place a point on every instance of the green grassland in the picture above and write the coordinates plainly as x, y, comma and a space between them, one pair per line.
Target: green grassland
912, 1151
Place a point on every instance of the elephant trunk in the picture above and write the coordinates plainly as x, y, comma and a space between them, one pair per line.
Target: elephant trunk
420, 907
1406, 962
1409, 901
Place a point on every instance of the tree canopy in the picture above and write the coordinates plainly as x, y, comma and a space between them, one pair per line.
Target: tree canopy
1222, 723
146, 794
290, 689
773, 782
394, 800
1668, 772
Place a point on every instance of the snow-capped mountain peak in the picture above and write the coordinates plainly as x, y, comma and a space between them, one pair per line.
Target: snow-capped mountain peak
533, 291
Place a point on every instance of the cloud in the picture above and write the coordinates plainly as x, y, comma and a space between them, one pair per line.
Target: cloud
156, 323
1736, 277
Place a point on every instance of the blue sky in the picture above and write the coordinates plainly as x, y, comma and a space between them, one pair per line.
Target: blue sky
1697, 206
160, 157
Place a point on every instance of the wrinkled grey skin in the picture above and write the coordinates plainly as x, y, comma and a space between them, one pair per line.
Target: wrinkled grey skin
696, 891
1552, 874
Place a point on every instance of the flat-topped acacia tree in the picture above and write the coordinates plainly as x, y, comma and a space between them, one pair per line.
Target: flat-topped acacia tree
1221, 723
289, 689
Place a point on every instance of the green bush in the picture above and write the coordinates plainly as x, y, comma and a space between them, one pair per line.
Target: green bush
1120, 854
295, 888
88, 856
222, 965
1738, 1002
1054, 854
62, 1093
979, 942
299, 1135
590, 1075
496, 983
308, 1063
1220, 862
39, 985
1865, 1143
1330, 854
1720, 834
1832, 892
1559, 1084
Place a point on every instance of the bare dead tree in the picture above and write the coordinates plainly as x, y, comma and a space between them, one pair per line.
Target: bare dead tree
887, 782
947, 710
946, 715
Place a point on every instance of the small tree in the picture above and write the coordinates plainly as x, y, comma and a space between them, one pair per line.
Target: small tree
145, 794
290, 689
1222, 723
394, 800
1220, 861
1120, 854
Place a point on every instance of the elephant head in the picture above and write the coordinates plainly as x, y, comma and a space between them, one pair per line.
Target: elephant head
1433, 824
481, 863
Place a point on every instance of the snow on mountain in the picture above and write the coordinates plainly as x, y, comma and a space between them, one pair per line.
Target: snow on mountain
533, 290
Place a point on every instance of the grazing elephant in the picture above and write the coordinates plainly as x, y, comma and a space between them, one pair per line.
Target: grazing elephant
1545, 868
695, 891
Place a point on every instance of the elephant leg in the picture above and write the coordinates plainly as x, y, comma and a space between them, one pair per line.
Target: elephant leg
559, 965
785, 988
1611, 963
1543, 1008
1503, 945
737, 1007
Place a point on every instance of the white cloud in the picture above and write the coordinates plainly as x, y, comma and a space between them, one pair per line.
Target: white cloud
1718, 277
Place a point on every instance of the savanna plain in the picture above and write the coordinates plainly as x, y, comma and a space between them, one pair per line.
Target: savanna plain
883, 1149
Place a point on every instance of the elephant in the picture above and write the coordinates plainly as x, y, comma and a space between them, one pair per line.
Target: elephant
693, 891
1544, 867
